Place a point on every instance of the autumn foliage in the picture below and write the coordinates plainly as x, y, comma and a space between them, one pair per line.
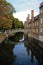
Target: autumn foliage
7, 21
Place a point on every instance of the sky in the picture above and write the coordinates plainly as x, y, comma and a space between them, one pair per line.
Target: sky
24, 7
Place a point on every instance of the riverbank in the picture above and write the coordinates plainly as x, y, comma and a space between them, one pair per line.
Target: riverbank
2, 37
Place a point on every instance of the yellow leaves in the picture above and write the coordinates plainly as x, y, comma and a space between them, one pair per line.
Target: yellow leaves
2, 36
6, 17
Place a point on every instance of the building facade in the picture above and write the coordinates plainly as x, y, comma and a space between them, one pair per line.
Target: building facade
26, 22
41, 22
35, 24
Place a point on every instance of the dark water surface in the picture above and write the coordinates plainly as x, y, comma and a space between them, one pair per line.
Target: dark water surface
17, 51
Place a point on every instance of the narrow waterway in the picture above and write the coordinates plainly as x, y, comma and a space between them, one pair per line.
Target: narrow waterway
18, 51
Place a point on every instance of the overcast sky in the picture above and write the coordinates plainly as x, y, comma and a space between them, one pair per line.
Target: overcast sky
24, 7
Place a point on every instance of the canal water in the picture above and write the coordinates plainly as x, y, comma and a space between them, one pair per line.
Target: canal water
20, 50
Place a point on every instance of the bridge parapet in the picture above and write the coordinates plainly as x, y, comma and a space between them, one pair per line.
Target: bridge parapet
12, 32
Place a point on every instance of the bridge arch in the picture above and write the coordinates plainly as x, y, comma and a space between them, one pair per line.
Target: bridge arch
12, 32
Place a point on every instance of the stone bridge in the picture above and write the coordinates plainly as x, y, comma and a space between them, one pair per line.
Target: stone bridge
12, 32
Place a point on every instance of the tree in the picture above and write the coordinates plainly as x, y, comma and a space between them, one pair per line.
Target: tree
17, 23
6, 17
11, 8
6, 7
7, 21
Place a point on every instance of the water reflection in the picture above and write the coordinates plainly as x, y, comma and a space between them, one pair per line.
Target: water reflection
27, 52
6, 55
18, 36
36, 50
24, 55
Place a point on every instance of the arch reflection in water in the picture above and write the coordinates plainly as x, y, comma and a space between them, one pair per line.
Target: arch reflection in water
17, 37
24, 57
26, 52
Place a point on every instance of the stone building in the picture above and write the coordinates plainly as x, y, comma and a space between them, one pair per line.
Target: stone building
35, 24
26, 22
41, 22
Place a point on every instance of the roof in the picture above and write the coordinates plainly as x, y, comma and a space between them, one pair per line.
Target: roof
41, 4
34, 19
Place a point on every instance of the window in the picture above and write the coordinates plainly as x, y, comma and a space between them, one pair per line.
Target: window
41, 21
41, 29
36, 30
35, 24
41, 11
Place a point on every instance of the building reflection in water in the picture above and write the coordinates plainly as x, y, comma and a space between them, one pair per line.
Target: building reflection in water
6, 54
33, 52
36, 50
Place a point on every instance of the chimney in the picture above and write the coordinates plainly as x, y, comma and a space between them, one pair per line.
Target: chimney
28, 16
32, 13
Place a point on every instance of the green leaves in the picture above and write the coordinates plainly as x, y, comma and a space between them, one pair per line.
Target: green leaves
17, 23
7, 21
6, 17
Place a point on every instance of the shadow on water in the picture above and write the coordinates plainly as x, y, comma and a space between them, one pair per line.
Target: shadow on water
17, 37
27, 52
6, 50
36, 50
6, 54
